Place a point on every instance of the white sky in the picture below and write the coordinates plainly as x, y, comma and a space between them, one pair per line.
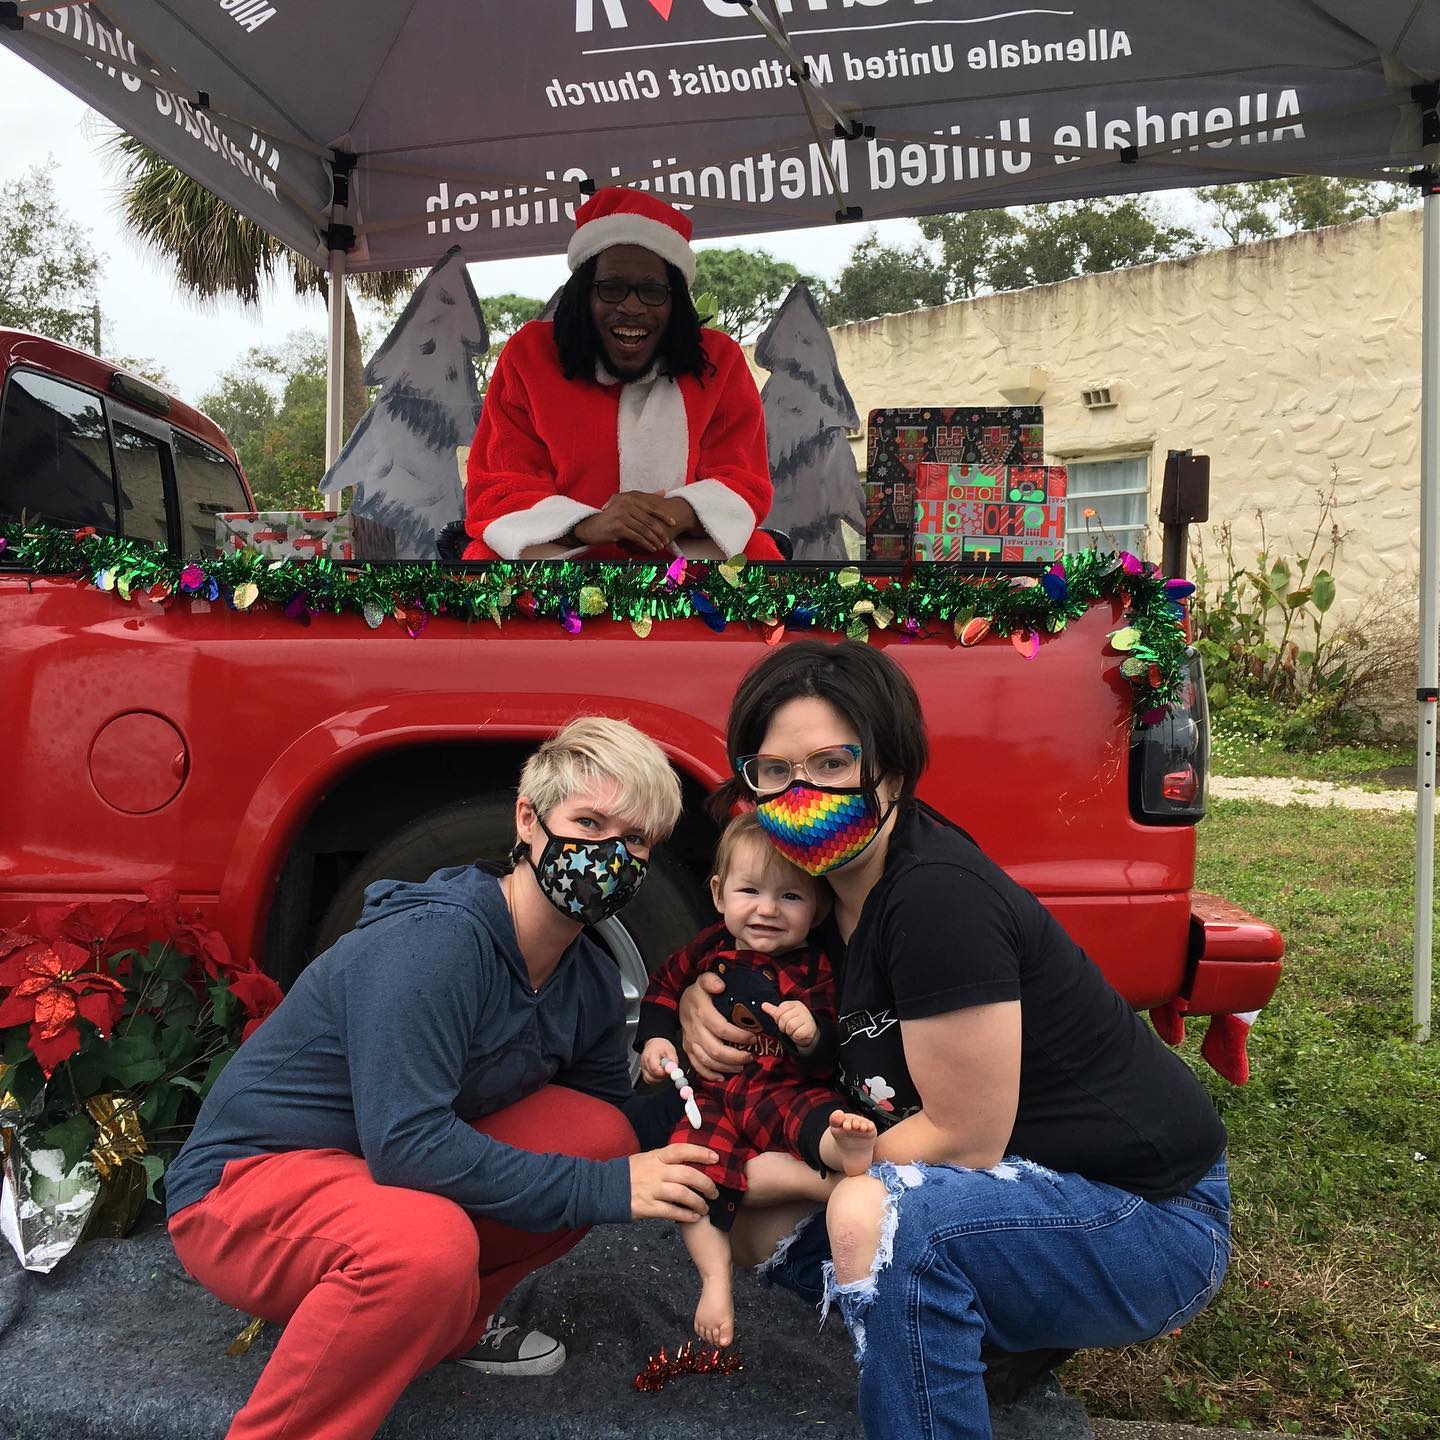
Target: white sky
146, 316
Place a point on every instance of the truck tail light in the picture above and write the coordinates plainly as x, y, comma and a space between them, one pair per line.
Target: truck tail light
1181, 786
1169, 761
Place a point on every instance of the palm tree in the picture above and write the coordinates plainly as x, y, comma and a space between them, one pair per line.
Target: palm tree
217, 251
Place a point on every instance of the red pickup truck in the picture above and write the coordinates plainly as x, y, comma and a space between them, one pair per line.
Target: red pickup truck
271, 770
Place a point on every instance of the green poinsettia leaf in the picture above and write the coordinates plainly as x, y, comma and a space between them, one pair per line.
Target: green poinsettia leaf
167, 1111
183, 1006
154, 1170
224, 1003
213, 1073
147, 960
186, 1082
178, 1044
88, 1070
24, 1079
72, 1137
132, 1061
174, 966
144, 1026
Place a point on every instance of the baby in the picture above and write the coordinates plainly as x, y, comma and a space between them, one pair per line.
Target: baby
784, 994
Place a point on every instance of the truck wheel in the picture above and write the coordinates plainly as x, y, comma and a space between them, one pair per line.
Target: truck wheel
670, 908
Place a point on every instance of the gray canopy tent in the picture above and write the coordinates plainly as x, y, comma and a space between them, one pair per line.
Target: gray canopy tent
376, 137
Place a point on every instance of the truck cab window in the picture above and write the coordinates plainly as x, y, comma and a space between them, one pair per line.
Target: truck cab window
142, 484
54, 454
209, 486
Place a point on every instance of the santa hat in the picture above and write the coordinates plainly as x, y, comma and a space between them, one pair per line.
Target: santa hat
619, 216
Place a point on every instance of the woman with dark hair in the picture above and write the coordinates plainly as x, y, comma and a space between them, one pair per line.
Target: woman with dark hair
1049, 1175
622, 427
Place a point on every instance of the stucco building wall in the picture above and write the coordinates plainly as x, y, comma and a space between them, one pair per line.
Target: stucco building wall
1284, 361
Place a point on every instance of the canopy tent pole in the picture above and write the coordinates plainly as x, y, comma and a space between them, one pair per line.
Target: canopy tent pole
339, 237
1429, 673
335, 371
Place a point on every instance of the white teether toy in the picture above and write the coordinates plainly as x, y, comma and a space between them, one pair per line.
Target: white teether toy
680, 1081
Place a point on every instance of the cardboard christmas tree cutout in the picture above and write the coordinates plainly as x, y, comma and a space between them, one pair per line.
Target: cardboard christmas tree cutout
807, 412
402, 458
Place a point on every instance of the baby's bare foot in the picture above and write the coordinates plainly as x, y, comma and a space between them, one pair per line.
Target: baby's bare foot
854, 1139
715, 1314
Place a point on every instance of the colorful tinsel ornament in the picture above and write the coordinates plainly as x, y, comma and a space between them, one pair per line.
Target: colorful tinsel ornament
921, 601
687, 1360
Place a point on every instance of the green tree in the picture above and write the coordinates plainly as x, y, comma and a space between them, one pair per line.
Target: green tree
1085, 237
881, 279
969, 243
216, 251
504, 315
48, 269
1262, 208
747, 286
1242, 212
272, 406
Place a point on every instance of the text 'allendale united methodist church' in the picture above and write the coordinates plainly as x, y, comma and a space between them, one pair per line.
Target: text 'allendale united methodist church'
892, 64
880, 165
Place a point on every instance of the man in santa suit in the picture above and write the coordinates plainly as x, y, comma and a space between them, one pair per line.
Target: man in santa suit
622, 428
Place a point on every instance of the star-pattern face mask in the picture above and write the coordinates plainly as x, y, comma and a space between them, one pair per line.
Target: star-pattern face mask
585, 880
820, 830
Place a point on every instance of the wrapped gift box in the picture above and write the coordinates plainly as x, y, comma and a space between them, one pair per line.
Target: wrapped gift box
900, 441
287, 534
989, 512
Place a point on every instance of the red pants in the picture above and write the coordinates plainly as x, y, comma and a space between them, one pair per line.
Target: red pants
374, 1284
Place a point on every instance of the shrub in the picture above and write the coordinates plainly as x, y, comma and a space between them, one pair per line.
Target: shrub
1278, 664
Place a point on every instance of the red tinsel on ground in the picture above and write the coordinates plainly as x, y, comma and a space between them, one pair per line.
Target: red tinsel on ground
687, 1360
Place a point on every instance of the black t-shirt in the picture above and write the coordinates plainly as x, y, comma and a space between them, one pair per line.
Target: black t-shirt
945, 928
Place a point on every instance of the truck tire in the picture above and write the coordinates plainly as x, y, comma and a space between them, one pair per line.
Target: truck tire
670, 908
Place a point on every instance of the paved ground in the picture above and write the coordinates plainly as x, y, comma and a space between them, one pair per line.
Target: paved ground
1151, 1430
1283, 790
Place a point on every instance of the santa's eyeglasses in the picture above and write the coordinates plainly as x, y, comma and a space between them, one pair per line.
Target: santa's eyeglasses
614, 292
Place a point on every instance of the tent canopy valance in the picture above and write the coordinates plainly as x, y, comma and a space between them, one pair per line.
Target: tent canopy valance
483, 122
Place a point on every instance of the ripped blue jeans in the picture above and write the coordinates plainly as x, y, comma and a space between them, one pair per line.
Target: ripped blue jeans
1021, 1256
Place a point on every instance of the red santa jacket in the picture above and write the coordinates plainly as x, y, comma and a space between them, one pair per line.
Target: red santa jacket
547, 451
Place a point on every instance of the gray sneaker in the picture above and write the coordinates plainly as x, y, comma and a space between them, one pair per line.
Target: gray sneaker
506, 1349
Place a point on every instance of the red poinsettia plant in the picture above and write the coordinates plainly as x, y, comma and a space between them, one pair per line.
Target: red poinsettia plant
115, 1021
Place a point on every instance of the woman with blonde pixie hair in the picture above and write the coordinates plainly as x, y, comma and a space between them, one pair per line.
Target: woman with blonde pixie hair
431, 1113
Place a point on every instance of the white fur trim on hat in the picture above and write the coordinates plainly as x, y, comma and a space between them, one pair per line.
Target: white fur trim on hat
630, 229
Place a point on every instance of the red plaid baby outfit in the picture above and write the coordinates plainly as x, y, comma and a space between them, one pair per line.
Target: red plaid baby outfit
781, 1101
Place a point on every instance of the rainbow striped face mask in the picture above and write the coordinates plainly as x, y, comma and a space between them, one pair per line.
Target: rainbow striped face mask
820, 830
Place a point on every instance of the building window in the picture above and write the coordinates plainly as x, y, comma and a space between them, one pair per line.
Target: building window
1118, 492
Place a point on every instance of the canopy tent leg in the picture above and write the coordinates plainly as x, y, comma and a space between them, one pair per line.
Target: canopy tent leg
1429, 671
335, 371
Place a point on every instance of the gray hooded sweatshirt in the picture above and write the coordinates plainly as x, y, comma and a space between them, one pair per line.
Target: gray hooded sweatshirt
421, 1019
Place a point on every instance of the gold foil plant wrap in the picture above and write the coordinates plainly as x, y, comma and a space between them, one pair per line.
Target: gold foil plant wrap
117, 1133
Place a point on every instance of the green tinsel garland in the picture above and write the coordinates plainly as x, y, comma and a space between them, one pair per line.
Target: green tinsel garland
842, 601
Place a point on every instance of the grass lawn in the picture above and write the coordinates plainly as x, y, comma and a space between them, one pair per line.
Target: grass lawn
1329, 1321
1347, 764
